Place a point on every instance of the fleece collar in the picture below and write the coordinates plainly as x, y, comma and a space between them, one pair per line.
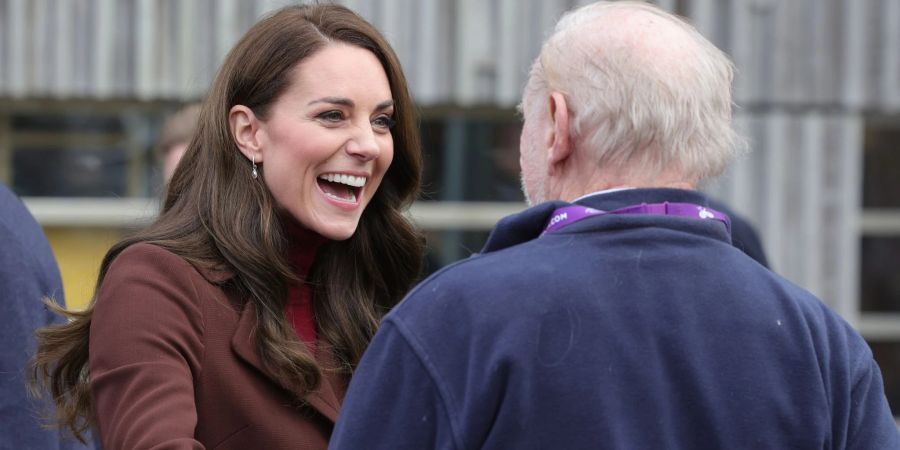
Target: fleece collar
528, 225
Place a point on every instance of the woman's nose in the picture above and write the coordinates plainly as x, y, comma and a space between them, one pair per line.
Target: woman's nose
364, 145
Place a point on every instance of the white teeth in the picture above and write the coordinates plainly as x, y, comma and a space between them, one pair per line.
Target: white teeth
351, 199
349, 180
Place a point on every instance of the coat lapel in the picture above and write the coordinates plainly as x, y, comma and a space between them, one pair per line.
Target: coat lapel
324, 400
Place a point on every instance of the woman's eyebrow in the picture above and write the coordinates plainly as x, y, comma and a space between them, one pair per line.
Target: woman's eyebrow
384, 105
343, 101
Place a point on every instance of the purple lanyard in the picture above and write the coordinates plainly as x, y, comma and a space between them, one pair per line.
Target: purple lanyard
568, 215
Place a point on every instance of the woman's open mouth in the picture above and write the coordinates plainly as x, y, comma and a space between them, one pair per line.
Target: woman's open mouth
341, 187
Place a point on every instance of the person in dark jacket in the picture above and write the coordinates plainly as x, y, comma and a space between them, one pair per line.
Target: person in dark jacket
618, 314
28, 273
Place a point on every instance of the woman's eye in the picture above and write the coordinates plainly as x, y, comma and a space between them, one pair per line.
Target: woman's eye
332, 116
384, 122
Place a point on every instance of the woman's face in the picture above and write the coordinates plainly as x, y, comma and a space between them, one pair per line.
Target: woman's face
326, 143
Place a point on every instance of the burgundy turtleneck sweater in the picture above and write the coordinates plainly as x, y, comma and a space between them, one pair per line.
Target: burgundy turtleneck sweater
298, 309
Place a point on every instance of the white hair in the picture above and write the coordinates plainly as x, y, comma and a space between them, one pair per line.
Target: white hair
648, 93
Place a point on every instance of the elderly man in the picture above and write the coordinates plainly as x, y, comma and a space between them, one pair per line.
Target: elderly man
618, 314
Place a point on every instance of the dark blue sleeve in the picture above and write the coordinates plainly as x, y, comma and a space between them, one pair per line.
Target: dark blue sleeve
871, 424
393, 402
28, 273
21, 312
25, 278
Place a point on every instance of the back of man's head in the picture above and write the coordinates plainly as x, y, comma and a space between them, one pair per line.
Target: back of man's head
649, 96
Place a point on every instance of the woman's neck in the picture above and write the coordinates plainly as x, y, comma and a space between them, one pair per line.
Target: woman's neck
304, 244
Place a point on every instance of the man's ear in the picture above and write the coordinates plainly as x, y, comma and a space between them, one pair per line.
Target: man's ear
244, 127
560, 137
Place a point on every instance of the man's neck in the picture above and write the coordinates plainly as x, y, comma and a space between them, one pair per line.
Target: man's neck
578, 194
601, 192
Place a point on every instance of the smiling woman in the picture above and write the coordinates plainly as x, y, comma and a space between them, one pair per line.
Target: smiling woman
324, 156
237, 318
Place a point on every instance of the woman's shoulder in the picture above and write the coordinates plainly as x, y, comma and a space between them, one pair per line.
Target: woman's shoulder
155, 259
151, 274
153, 271
146, 280
147, 249
149, 259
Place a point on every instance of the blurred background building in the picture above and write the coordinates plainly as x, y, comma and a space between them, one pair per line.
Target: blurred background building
86, 84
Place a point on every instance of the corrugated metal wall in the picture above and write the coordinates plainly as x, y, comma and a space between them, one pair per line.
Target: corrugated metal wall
800, 54
808, 70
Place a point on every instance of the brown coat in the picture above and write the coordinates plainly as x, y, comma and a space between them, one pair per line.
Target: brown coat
174, 366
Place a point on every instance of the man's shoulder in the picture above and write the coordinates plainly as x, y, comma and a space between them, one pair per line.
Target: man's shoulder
511, 262
483, 284
26, 257
17, 224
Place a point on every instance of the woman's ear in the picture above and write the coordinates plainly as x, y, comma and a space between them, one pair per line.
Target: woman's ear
245, 127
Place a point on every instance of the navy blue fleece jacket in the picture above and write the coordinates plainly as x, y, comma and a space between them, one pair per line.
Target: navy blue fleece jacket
617, 332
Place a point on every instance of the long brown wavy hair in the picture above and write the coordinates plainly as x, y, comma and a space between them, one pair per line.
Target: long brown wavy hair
217, 217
